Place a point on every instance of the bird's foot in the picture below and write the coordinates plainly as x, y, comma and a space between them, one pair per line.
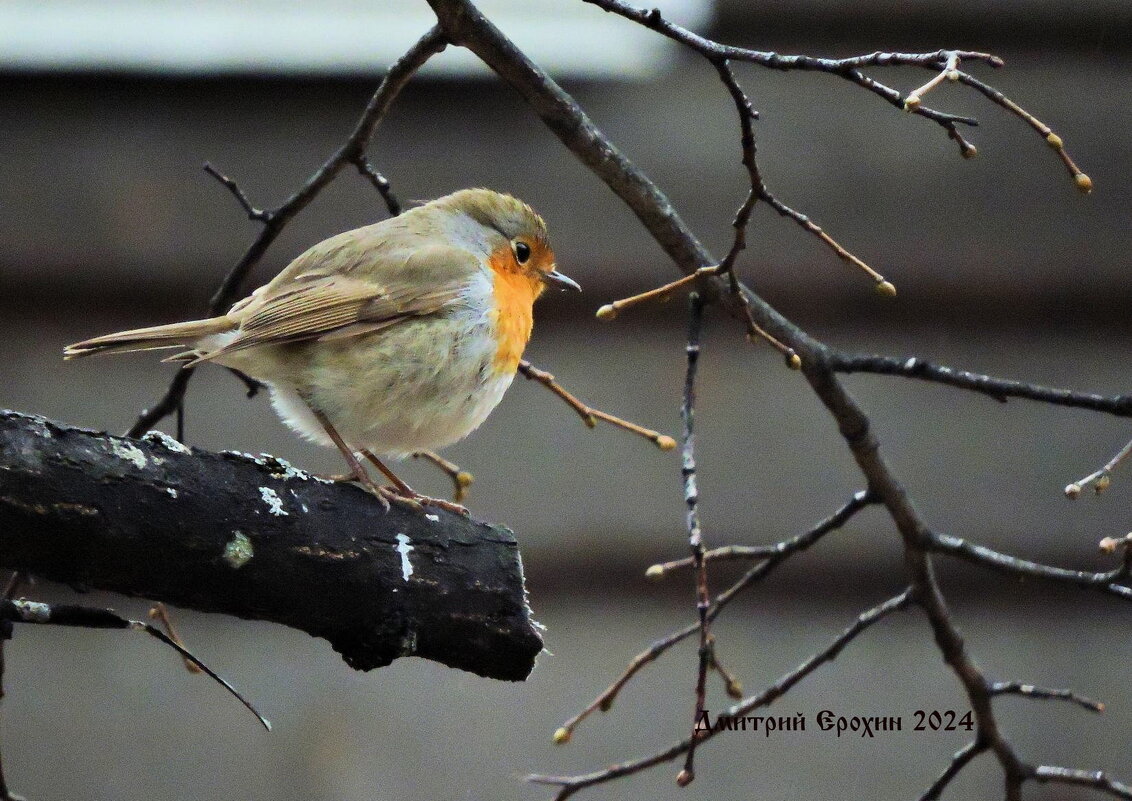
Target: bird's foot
407, 497
440, 503
415, 501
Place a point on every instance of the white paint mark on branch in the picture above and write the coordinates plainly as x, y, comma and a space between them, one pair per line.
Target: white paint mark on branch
404, 548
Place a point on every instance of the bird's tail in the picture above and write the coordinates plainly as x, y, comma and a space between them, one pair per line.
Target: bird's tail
174, 335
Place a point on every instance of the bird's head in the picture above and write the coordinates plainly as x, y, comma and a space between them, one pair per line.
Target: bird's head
516, 235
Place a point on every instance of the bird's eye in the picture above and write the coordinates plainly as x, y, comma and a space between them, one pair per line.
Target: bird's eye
522, 251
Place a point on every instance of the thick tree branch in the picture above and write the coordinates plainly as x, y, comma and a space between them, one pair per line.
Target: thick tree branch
256, 538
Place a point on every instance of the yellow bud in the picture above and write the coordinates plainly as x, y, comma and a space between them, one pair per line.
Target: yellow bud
953, 75
735, 689
465, 479
912, 102
665, 442
794, 361
1102, 483
655, 572
1054, 141
684, 777
1084, 183
886, 288
1073, 491
561, 736
1108, 545
970, 152
607, 312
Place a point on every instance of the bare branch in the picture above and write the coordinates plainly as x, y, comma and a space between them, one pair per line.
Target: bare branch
1096, 779
590, 415
958, 762
23, 611
722, 554
847, 68
461, 479
1105, 582
1046, 693
1100, 479
694, 528
380, 183
998, 388
258, 215
1083, 182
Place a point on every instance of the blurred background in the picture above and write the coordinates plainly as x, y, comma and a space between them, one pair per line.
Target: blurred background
107, 221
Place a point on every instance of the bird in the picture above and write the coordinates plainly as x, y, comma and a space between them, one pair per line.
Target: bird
396, 337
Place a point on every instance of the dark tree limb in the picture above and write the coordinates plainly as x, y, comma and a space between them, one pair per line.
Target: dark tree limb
256, 538
1001, 389
953, 769
1107, 582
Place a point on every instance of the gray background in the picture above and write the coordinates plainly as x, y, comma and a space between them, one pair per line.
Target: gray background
106, 222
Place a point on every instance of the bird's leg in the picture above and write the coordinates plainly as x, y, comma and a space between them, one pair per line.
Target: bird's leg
408, 493
359, 473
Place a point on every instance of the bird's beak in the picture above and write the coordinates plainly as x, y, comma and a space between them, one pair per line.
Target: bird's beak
557, 279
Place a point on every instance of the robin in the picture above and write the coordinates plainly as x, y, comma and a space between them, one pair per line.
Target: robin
392, 338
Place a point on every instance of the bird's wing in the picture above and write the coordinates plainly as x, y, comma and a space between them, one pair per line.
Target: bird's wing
330, 304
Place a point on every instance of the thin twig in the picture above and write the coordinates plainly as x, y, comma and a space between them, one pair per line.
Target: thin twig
1106, 582
731, 683
1101, 478
722, 554
1083, 182
568, 785
950, 71
92, 618
847, 68
349, 152
694, 527
1030, 691
958, 762
590, 415
461, 479
380, 183
255, 214
161, 614
1096, 779
998, 388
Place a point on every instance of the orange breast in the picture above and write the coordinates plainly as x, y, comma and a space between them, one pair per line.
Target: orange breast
514, 299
